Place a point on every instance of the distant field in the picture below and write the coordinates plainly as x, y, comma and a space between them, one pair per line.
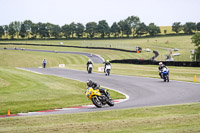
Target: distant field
106, 54
183, 43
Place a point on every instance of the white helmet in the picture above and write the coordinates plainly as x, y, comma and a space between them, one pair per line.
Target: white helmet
160, 63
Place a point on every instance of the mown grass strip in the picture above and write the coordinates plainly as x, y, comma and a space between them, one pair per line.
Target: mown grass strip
168, 119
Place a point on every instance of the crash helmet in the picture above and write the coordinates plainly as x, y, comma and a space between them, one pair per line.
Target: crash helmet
89, 60
160, 63
107, 61
89, 83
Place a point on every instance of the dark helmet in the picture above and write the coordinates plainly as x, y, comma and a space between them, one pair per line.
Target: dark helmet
89, 83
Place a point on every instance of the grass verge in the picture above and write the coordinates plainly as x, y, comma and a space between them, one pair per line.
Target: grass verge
176, 73
163, 119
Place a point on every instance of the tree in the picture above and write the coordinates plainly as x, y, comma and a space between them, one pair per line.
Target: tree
153, 29
66, 30
34, 30
141, 29
103, 28
55, 31
17, 27
28, 24
133, 22
22, 32
1, 31
43, 30
198, 26
79, 30
189, 27
165, 32
196, 42
127, 28
115, 29
121, 24
72, 28
11, 30
6, 28
91, 29
177, 27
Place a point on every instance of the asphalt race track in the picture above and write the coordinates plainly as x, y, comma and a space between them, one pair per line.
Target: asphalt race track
141, 91
93, 57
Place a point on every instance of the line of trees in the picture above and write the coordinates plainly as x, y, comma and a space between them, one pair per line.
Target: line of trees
196, 42
131, 26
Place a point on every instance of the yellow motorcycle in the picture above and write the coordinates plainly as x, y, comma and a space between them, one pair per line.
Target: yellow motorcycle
98, 98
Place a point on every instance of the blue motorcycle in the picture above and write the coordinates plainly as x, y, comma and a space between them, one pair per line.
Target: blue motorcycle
165, 74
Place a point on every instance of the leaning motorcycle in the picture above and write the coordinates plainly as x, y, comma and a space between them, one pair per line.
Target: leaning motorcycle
99, 99
165, 74
90, 68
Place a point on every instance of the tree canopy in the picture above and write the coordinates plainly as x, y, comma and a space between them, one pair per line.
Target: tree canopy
196, 42
129, 27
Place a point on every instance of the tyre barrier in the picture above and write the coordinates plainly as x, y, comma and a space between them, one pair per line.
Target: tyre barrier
151, 62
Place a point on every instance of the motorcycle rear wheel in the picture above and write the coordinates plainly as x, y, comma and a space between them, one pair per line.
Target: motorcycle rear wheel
110, 102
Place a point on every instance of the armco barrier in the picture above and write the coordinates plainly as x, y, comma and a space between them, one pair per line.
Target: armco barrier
150, 62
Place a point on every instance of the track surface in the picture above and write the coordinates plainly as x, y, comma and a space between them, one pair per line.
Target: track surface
93, 57
141, 91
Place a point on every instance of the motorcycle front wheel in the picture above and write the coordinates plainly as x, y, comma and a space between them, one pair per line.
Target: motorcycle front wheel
96, 102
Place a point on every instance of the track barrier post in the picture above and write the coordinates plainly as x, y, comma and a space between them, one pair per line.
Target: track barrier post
195, 78
8, 112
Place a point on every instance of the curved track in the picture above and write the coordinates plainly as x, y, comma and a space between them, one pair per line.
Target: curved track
141, 91
95, 58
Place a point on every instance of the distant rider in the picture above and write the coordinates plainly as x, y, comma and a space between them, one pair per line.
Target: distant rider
95, 86
160, 68
88, 63
106, 63
44, 62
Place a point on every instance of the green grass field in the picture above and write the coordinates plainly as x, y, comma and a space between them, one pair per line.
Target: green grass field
183, 43
163, 119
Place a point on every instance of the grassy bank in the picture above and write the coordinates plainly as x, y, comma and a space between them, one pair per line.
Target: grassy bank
22, 91
106, 54
183, 43
167, 119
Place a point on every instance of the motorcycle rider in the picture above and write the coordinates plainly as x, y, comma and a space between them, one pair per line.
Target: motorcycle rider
44, 62
106, 63
160, 68
95, 86
88, 63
